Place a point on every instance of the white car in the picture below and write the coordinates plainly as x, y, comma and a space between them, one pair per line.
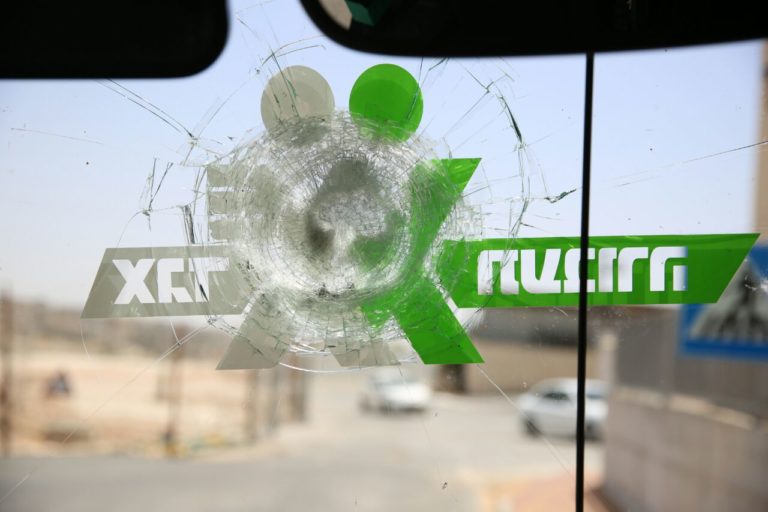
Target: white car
549, 408
387, 390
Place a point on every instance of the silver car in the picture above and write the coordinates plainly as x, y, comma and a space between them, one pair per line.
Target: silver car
387, 390
549, 408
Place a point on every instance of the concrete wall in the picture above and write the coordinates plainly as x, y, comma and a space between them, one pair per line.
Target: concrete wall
515, 366
683, 433
676, 453
761, 185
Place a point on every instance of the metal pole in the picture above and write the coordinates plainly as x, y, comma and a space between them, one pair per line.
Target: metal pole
583, 266
276, 389
6, 352
298, 392
250, 422
171, 435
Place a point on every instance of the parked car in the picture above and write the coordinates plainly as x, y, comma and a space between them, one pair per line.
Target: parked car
389, 390
549, 408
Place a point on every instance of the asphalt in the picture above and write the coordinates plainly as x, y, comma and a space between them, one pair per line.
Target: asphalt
464, 454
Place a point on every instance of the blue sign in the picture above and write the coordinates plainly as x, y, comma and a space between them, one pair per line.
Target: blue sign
737, 325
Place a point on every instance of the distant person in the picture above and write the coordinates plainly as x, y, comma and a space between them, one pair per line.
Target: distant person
58, 385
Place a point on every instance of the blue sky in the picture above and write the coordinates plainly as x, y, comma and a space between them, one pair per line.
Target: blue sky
75, 155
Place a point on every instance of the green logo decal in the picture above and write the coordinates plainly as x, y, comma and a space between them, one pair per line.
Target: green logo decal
659, 269
339, 232
164, 281
417, 304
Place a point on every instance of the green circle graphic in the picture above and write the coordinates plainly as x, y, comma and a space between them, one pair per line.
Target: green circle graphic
389, 99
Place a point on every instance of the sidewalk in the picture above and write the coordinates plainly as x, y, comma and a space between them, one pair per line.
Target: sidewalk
544, 494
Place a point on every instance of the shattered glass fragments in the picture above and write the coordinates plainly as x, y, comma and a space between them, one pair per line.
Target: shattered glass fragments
333, 221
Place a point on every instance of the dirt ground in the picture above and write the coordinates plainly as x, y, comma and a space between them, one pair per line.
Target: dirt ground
120, 404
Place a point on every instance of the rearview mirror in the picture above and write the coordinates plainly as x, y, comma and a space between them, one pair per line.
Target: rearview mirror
520, 27
97, 39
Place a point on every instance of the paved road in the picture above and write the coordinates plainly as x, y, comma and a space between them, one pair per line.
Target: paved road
341, 459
